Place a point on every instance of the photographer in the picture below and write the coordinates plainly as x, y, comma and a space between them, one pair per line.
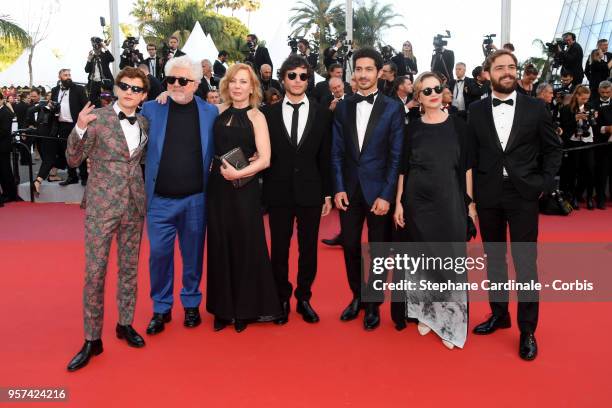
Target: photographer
545, 92
567, 82
330, 55
257, 55
303, 47
98, 68
406, 61
442, 60
597, 70
603, 134
130, 57
571, 57
67, 100
578, 170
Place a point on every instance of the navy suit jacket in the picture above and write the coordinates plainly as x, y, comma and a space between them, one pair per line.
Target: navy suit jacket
375, 168
157, 114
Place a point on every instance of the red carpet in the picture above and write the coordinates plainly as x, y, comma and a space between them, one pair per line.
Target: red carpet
329, 364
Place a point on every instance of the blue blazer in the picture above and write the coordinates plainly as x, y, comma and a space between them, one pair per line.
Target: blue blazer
157, 114
376, 167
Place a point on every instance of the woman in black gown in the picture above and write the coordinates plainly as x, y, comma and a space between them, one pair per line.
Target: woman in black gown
431, 206
240, 285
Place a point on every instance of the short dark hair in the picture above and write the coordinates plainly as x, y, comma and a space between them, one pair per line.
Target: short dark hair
304, 41
333, 67
293, 62
601, 41
530, 69
253, 36
570, 34
131, 72
509, 46
399, 81
368, 52
392, 66
566, 74
494, 56
151, 45
36, 90
222, 53
476, 72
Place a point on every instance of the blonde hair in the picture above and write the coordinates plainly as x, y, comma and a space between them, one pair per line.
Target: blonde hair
254, 98
418, 82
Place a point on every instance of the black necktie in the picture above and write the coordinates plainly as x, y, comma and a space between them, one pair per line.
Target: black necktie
131, 119
294, 121
369, 99
497, 102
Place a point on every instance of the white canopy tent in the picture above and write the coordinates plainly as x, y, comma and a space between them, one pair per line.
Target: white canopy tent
200, 46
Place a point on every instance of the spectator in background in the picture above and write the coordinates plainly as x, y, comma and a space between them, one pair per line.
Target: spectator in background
272, 96
567, 82
208, 81
267, 82
322, 91
7, 181
155, 87
597, 70
385, 83
508, 47
406, 61
219, 65
213, 97
154, 63
572, 58
526, 85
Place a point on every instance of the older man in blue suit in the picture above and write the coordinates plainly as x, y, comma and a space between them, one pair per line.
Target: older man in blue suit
366, 151
179, 156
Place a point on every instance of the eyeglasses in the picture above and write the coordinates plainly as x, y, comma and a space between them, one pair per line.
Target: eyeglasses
182, 81
124, 87
437, 89
293, 75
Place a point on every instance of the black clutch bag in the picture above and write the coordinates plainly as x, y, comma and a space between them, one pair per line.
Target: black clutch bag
236, 158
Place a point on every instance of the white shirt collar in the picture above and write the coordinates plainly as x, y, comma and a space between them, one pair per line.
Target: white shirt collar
304, 100
512, 96
117, 109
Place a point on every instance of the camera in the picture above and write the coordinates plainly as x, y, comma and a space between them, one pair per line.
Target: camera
292, 42
129, 43
439, 42
487, 44
96, 43
586, 124
387, 52
554, 46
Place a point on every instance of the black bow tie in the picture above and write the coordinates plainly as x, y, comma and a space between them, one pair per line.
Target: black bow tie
460, 80
131, 119
604, 102
369, 99
497, 102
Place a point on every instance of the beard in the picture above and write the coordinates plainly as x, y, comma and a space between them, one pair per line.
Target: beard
180, 97
498, 87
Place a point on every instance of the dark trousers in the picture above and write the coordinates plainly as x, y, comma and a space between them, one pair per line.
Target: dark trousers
351, 223
521, 216
7, 179
281, 230
64, 131
603, 171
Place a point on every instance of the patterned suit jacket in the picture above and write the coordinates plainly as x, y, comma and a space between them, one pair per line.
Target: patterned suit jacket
114, 176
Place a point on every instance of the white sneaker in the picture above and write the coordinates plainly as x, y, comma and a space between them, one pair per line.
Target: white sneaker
423, 329
448, 344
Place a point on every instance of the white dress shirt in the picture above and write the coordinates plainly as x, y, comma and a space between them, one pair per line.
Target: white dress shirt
131, 132
364, 110
503, 116
302, 118
458, 97
63, 98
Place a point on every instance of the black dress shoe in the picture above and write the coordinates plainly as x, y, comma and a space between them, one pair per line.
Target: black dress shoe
220, 324
68, 181
575, 204
192, 317
130, 335
493, 323
240, 325
335, 241
308, 314
371, 319
284, 318
90, 348
158, 321
351, 311
590, 205
528, 348
601, 204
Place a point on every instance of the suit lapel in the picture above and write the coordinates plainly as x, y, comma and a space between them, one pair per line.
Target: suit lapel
278, 113
203, 129
518, 114
161, 137
377, 111
351, 108
117, 132
489, 114
312, 108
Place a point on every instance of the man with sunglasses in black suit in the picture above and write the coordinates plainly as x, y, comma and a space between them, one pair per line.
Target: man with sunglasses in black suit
297, 186
368, 133
517, 156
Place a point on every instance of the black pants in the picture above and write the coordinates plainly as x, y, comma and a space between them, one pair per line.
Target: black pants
351, 223
7, 179
281, 230
578, 171
521, 216
64, 131
603, 171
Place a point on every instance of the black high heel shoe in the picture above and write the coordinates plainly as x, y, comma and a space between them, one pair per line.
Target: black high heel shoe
240, 325
37, 186
220, 324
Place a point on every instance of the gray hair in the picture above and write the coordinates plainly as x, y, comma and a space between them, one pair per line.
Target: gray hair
207, 61
542, 87
334, 79
461, 64
605, 84
187, 63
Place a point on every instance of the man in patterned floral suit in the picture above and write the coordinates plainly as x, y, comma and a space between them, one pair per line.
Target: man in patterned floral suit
113, 139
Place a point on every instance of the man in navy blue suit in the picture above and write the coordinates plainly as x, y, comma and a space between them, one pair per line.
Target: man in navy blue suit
366, 152
179, 156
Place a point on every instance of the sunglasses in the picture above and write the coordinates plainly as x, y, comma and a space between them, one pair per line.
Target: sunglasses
437, 89
182, 81
124, 87
293, 75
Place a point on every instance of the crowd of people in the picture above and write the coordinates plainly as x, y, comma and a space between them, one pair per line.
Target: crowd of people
197, 152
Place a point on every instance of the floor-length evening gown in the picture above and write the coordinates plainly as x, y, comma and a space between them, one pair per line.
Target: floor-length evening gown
434, 164
240, 283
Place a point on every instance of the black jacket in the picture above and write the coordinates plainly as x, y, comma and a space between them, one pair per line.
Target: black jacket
204, 88
105, 59
322, 93
444, 63
476, 91
78, 99
21, 111
6, 123
572, 62
219, 70
154, 87
302, 176
405, 65
261, 57
158, 66
596, 71
532, 156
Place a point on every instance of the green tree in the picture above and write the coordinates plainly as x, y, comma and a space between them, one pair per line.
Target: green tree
370, 22
317, 15
12, 32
